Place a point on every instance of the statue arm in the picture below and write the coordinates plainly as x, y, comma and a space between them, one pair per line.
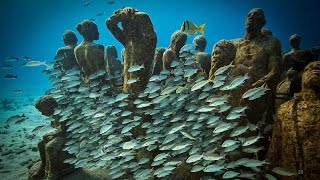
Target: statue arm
148, 29
112, 25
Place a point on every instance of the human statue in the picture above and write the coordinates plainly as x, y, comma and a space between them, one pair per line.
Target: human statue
295, 140
265, 31
50, 146
223, 53
65, 55
178, 40
203, 58
89, 56
200, 43
139, 40
158, 63
112, 63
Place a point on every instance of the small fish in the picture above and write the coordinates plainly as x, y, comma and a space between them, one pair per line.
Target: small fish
194, 158
190, 28
255, 93
230, 174
86, 4
18, 91
235, 83
228, 143
100, 14
190, 72
199, 85
136, 68
17, 119
129, 145
251, 140
132, 80
34, 63
213, 168
186, 48
111, 2
223, 69
11, 58
27, 58
6, 66
10, 77
283, 171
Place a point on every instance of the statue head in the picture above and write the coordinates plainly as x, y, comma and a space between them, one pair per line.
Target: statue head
70, 38
255, 20
200, 43
46, 105
311, 76
178, 40
224, 50
89, 30
295, 41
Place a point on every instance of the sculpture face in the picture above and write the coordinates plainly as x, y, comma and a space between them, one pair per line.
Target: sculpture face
311, 75
255, 20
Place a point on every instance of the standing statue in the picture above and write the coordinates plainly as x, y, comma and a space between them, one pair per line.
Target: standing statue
65, 55
178, 40
139, 40
295, 141
112, 63
89, 56
157, 61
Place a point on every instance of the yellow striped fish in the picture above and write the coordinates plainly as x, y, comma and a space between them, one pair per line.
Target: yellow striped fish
190, 28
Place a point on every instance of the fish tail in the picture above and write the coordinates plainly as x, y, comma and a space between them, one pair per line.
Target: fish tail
231, 64
201, 28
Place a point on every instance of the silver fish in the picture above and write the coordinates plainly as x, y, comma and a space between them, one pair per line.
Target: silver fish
136, 68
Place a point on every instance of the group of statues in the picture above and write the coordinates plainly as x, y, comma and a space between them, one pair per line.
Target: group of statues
295, 137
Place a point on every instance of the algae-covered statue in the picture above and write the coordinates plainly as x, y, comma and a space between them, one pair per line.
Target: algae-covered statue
157, 61
50, 147
65, 55
295, 140
204, 59
223, 53
139, 40
112, 63
178, 40
89, 56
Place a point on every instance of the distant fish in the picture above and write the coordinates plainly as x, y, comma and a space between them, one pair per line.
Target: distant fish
111, 2
190, 28
18, 91
27, 58
100, 14
11, 58
136, 68
10, 77
86, 4
17, 119
6, 66
34, 63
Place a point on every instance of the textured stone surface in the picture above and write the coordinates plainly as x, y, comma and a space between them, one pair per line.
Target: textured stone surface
89, 56
139, 40
178, 40
295, 141
65, 55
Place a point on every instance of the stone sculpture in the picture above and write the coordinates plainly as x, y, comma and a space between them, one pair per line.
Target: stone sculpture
65, 55
112, 63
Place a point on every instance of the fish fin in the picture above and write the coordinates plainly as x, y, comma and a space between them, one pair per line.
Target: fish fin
201, 28
142, 66
231, 64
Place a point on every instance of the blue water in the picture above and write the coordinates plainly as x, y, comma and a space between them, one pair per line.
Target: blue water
34, 28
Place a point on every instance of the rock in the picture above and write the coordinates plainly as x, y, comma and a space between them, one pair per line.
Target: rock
65, 55
90, 56
34, 149
139, 40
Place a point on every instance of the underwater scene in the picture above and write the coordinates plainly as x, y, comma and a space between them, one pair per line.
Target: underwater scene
150, 89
